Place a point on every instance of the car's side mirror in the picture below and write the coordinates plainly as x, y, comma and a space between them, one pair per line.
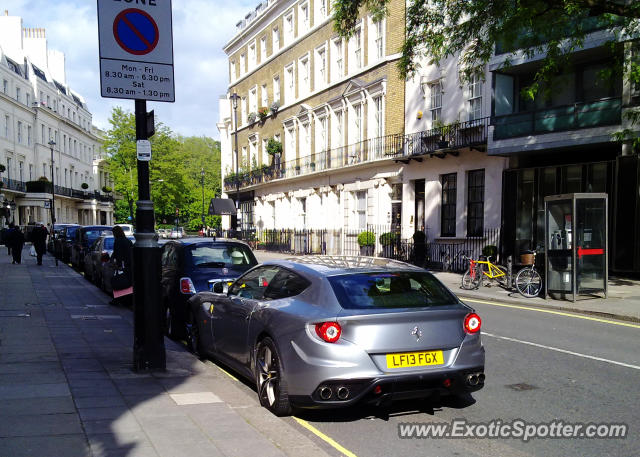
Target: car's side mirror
220, 287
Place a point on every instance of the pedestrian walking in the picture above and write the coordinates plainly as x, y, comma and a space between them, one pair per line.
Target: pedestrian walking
39, 240
5, 238
122, 254
16, 239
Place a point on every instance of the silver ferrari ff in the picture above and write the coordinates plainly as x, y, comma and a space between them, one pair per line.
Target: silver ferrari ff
322, 332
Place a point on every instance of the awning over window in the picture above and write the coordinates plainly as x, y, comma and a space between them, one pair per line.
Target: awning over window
222, 207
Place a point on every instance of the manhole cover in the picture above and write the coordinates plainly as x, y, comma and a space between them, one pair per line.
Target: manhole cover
521, 386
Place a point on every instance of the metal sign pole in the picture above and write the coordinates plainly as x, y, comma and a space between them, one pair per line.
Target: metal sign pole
148, 346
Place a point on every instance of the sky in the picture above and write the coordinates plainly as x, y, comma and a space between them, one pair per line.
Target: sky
200, 29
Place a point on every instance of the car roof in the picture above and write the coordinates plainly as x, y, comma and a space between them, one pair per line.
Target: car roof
339, 265
188, 241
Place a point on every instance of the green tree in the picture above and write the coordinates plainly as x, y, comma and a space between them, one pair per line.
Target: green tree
438, 29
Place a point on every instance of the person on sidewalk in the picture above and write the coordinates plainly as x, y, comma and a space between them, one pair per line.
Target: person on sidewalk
16, 240
5, 238
39, 240
122, 253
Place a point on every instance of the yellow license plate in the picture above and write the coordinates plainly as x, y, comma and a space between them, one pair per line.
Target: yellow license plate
415, 359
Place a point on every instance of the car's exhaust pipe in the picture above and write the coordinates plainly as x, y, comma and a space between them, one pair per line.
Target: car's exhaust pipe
472, 379
480, 378
343, 393
325, 393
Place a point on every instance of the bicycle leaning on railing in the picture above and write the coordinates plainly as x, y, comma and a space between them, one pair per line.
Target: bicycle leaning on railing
479, 269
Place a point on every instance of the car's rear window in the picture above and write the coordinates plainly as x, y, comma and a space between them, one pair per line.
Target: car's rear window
108, 243
212, 255
92, 235
71, 232
400, 289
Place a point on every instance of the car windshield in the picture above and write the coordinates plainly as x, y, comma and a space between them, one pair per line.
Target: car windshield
71, 232
401, 289
221, 255
92, 235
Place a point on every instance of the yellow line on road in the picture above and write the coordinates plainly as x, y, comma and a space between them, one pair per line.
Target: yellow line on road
549, 311
324, 437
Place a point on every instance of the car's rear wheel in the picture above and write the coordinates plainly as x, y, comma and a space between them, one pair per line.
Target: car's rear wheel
271, 386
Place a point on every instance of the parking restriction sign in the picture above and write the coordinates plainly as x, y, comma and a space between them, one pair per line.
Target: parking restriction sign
136, 50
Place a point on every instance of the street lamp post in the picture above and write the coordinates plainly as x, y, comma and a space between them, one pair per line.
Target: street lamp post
202, 183
234, 100
53, 194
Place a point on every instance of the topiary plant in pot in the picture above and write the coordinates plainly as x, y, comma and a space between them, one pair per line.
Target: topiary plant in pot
387, 241
367, 242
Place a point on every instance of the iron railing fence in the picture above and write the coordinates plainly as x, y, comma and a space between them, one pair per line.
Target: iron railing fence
13, 184
447, 255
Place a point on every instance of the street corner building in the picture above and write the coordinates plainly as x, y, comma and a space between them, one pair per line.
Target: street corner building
322, 140
48, 144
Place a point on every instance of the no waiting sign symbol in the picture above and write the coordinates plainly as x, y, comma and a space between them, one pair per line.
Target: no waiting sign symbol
135, 31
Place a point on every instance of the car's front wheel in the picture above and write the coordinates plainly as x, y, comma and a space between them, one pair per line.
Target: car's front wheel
193, 336
271, 386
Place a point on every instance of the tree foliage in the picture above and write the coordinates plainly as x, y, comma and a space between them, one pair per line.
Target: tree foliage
174, 171
471, 29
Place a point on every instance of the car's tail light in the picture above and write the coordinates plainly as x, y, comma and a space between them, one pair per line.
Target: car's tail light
329, 331
186, 286
472, 323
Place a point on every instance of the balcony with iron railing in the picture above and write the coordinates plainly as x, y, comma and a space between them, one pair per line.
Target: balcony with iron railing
44, 187
436, 142
13, 184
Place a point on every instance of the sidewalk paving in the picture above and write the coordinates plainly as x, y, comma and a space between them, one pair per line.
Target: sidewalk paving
623, 300
67, 389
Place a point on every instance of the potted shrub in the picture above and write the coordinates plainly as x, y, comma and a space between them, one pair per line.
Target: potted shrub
367, 242
252, 117
490, 250
312, 166
275, 106
84, 186
387, 240
106, 189
263, 113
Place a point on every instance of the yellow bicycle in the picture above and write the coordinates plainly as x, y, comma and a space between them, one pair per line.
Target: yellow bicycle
479, 269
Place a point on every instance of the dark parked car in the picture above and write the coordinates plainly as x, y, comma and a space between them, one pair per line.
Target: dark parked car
328, 332
64, 242
192, 265
98, 267
57, 231
85, 236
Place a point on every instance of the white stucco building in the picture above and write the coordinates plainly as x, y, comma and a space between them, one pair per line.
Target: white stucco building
40, 112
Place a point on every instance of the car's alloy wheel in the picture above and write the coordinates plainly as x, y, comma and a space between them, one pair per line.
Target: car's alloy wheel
272, 388
193, 336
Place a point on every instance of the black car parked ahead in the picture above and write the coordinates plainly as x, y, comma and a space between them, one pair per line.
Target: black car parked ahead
85, 236
64, 242
57, 231
193, 265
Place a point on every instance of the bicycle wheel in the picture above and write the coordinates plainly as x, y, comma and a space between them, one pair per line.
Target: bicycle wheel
528, 282
469, 282
503, 279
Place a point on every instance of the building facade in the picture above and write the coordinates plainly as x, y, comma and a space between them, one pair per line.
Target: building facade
336, 106
43, 119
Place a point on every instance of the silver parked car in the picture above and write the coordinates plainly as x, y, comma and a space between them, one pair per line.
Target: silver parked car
335, 331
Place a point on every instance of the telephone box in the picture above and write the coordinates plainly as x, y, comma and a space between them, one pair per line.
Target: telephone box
576, 246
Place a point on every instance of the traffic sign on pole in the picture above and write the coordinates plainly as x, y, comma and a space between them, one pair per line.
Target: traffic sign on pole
136, 50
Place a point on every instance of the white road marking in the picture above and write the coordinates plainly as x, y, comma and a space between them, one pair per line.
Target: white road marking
564, 351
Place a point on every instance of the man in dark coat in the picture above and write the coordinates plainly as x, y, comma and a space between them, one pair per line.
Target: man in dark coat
16, 240
39, 240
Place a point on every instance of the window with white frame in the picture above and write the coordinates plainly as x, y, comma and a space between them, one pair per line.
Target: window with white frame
9, 169
31, 172
355, 50
321, 10
21, 171
378, 117
361, 209
264, 96
18, 94
28, 97
475, 98
252, 56
253, 100
275, 39
289, 143
288, 28
356, 129
303, 74
276, 89
305, 140
263, 49
5, 86
376, 40
337, 59
320, 79
20, 132
303, 18
244, 158
6, 127
337, 129
28, 135
435, 100
234, 70
243, 110
266, 160
321, 134
289, 84
253, 152
242, 64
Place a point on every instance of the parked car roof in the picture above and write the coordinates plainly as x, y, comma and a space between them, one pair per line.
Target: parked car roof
337, 265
